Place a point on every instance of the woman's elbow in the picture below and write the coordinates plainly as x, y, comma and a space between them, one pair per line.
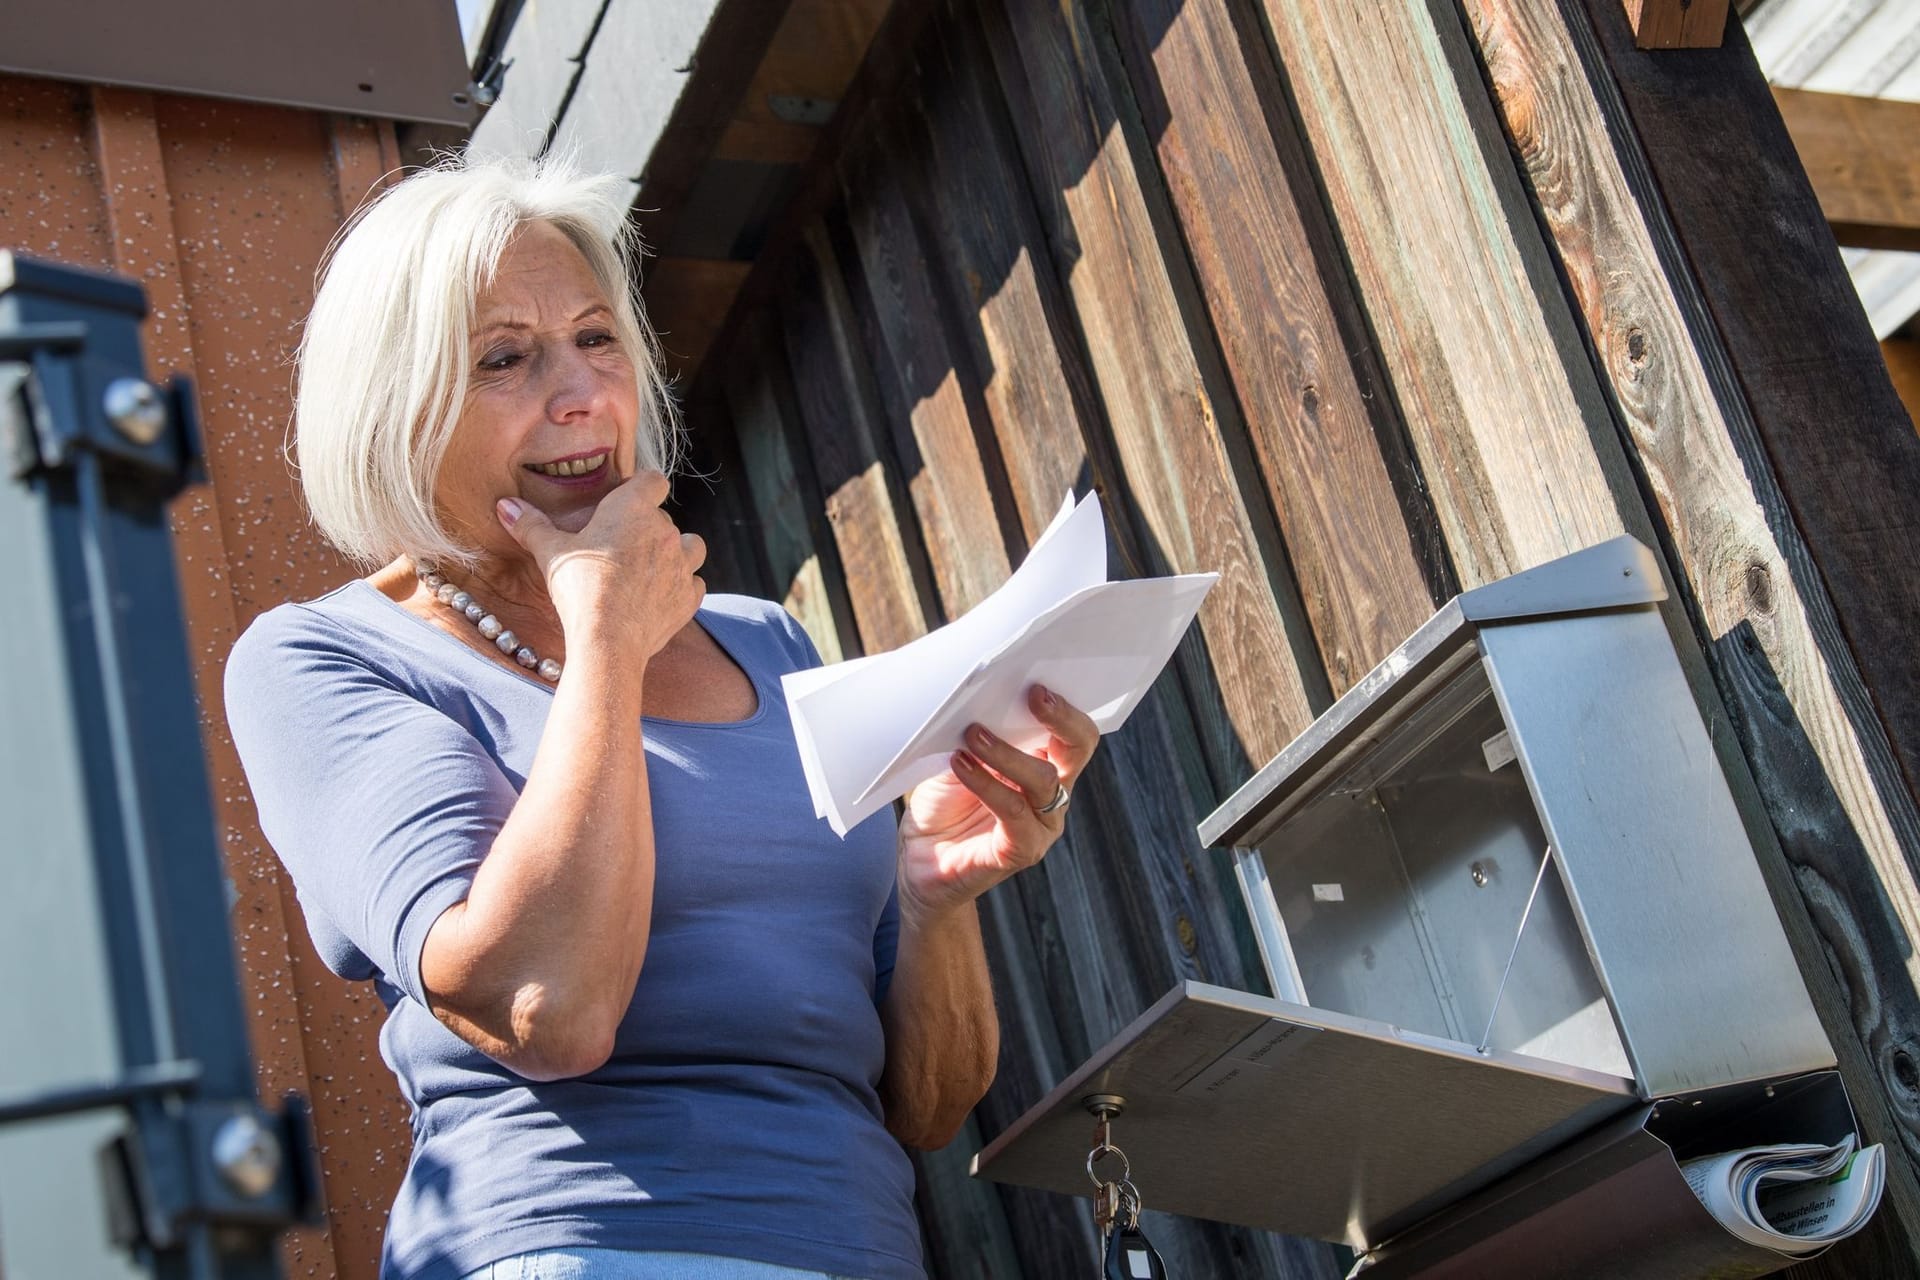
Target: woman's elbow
536, 1033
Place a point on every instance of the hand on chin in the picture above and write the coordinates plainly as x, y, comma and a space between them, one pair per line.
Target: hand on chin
572, 519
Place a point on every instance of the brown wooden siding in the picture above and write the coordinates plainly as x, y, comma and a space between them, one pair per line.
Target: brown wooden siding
1334, 300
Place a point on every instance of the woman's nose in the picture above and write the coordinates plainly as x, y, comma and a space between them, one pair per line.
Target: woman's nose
574, 387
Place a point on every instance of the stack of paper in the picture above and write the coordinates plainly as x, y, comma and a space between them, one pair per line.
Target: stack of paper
872, 729
1794, 1198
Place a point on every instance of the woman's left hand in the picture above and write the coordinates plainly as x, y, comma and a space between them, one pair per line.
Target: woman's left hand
967, 830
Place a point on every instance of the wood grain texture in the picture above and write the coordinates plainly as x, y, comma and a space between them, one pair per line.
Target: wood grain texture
1863, 157
1127, 899
1786, 677
1903, 366
1839, 440
1676, 24
1426, 203
883, 563
803, 563
990, 252
1161, 415
922, 392
1351, 554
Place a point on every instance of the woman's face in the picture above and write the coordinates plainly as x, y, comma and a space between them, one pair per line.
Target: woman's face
551, 402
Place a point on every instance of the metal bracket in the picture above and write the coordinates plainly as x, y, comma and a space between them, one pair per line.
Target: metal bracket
225, 1165
56, 399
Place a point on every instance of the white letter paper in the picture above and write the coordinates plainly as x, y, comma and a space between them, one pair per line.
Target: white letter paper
872, 729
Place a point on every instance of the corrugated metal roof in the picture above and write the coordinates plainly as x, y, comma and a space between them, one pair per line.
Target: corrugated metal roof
1865, 47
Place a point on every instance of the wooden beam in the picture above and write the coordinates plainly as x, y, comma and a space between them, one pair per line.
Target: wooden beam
1835, 837
1677, 24
1903, 363
1806, 361
737, 39
1863, 156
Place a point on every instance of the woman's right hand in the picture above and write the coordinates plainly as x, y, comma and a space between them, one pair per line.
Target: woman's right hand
630, 576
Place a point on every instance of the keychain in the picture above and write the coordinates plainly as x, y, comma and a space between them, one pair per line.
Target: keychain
1126, 1253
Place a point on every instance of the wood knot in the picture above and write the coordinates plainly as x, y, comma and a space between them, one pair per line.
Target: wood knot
1760, 587
1637, 345
1189, 940
1310, 399
1906, 1071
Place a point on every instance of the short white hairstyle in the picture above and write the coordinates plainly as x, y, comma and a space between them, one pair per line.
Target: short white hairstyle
384, 360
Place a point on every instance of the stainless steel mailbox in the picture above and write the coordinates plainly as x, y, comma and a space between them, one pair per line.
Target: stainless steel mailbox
1505, 902
1388, 854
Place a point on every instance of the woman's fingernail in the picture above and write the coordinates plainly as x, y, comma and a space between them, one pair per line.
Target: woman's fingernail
979, 737
509, 509
1046, 695
962, 762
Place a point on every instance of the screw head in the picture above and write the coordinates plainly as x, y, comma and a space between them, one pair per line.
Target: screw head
1480, 876
247, 1154
135, 410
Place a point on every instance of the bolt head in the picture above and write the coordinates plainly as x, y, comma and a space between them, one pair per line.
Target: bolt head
135, 409
247, 1154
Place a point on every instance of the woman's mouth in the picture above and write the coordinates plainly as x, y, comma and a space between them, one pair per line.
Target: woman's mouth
571, 468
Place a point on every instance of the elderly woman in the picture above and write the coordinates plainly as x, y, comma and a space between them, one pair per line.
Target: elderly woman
654, 1019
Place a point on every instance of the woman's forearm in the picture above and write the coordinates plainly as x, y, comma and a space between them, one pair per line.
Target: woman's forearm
943, 1033
537, 965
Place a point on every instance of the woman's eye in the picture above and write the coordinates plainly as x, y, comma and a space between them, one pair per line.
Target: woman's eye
500, 360
596, 338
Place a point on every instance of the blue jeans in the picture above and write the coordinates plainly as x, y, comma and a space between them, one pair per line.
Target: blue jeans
622, 1264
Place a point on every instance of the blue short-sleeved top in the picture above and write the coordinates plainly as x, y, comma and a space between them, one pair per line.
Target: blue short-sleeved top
738, 1114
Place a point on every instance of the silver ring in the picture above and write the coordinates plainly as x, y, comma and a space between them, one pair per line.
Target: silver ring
1059, 801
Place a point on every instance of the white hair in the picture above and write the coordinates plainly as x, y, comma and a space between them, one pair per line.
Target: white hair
383, 363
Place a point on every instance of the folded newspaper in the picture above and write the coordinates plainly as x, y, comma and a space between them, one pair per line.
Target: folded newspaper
872, 729
1795, 1198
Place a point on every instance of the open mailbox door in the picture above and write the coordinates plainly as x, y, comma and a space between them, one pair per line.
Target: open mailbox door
1265, 1114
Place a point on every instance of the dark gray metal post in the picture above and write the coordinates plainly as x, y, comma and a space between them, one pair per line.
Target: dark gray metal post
123, 987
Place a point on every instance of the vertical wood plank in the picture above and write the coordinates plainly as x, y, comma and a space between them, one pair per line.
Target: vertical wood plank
1127, 901
991, 254
885, 573
915, 360
1424, 197
1779, 661
1160, 412
1351, 554
712, 498
802, 561
1676, 24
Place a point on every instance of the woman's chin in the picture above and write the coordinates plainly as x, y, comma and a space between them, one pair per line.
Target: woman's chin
572, 519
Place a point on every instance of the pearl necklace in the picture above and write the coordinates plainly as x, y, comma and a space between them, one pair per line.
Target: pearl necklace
490, 627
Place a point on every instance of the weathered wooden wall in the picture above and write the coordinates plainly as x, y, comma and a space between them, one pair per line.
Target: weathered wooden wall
1356, 305
222, 211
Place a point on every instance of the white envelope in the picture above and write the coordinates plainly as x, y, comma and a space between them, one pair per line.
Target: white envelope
872, 729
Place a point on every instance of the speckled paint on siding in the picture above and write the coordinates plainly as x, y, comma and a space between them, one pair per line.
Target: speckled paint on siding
222, 211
